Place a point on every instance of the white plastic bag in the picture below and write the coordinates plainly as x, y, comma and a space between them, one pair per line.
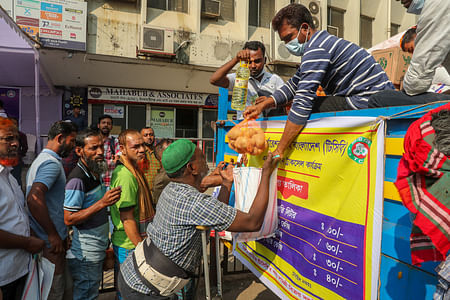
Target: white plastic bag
39, 280
246, 182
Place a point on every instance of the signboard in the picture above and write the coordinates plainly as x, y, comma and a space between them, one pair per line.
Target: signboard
58, 23
75, 97
115, 111
124, 95
8, 6
330, 207
163, 122
11, 101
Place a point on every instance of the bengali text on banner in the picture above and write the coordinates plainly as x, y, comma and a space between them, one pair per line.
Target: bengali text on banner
330, 211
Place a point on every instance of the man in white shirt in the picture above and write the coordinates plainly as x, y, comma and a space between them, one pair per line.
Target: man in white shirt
261, 82
431, 47
16, 244
432, 44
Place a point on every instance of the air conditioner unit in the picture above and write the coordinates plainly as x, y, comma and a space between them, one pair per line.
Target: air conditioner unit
333, 30
210, 8
314, 8
157, 41
279, 53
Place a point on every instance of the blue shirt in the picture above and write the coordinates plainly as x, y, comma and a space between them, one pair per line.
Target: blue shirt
80, 121
48, 170
340, 67
90, 238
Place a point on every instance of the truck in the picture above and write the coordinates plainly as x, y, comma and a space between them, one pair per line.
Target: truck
398, 278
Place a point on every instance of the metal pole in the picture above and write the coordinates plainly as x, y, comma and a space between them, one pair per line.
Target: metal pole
205, 261
219, 271
36, 102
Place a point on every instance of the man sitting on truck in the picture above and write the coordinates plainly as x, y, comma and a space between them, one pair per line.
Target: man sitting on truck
348, 74
431, 47
441, 80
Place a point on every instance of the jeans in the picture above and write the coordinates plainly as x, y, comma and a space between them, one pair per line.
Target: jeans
129, 294
120, 254
14, 290
86, 277
399, 98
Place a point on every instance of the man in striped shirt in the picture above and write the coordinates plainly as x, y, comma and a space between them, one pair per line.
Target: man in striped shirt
348, 74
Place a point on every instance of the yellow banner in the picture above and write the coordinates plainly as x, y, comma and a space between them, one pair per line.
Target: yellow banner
329, 207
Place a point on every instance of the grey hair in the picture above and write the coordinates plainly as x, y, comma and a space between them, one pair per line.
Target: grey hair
440, 122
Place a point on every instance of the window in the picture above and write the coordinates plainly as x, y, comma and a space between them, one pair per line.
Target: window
175, 5
186, 123
261, 12
336, 19
124, 116
227, 10
394, 29
365, 32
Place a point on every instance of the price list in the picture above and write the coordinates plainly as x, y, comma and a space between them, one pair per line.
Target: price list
321, 248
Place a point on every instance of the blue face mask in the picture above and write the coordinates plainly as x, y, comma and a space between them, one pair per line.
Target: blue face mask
416, 7
295, 47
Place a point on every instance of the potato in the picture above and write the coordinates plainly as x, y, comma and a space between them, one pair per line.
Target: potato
234, 133
232, 145
250, 145
259, 140
241, 144
247, 140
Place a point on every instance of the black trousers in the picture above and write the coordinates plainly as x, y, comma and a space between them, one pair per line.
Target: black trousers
14, 290
399, 98
330, 103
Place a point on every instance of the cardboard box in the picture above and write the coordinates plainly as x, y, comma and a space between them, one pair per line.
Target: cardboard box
394, 62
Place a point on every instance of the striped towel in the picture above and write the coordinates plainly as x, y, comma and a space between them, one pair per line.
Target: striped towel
423, 182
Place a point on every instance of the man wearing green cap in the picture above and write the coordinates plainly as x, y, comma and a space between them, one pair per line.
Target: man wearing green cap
163, 263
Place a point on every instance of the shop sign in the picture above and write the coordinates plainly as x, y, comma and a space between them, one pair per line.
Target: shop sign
163, 122
115, 111
75, 97
58, 23
110, 94
7, 5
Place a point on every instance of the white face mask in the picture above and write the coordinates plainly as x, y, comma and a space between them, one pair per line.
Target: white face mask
295, 47
416, 7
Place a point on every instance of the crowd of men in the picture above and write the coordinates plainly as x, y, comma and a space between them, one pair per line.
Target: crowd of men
154, 193
141, 174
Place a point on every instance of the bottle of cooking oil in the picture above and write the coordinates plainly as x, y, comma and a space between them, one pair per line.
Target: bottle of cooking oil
239, 98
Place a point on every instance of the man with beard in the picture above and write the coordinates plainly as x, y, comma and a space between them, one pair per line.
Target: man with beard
46, 182
131, 214
260, 83
163, 263
16, 244
151, 164
110, 145
85, 208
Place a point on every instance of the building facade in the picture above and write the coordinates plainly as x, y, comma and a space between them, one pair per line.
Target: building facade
168, 49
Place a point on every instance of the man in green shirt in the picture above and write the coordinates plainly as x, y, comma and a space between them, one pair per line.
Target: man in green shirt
131, 214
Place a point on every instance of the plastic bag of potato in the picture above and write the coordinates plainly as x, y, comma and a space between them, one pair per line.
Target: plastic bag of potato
247, 138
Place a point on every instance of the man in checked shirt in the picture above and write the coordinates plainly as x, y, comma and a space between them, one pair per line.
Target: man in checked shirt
111, 146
